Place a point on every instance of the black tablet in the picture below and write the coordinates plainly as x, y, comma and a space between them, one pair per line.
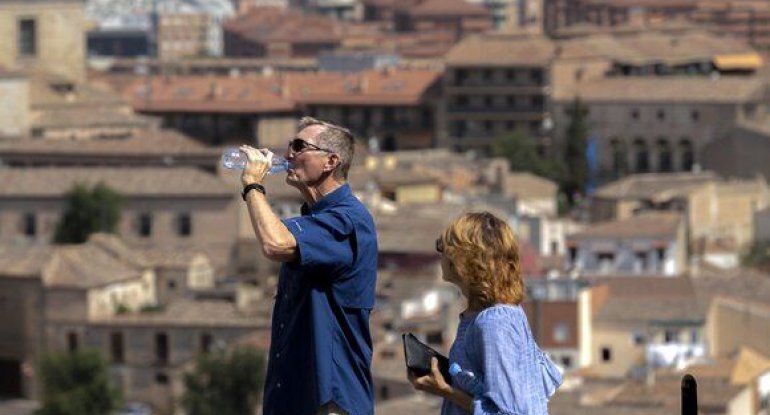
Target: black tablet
418, 355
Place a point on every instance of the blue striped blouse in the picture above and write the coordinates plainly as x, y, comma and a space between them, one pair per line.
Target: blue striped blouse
496, 344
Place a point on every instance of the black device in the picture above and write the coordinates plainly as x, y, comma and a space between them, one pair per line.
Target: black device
689, 395
418, 355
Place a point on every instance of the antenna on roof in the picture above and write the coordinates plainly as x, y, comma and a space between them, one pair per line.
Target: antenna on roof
689, 395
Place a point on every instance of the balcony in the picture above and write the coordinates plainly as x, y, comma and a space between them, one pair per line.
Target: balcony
673, 354
495, 88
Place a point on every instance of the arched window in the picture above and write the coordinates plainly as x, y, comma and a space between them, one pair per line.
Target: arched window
619, 157
641, 156
687, 157
665, 161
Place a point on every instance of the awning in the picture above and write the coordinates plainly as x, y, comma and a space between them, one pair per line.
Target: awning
738, 61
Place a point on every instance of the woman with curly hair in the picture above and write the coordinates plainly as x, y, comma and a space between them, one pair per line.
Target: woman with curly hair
494, 343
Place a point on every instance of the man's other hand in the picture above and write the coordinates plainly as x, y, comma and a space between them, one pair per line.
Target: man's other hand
259, 163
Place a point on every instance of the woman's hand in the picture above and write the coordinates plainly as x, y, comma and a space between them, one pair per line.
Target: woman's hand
259, 162
433, 383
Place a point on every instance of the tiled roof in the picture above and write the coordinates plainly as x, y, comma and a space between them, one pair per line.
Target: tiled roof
446, 8
674, 47
158, 143
271, 24
282, 92
77, 105
742, 284
134, 182
669, 89
154, 256
23, 262
185, 312
87, 266
647, 299
644, 225
498, 50
651, 185
527, 186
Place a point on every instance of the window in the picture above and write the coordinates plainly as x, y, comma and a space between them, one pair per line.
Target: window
488, 102
605, 260
635, 114
161, 348
161, 378
661, 115
686, 151
116, 347
665, 160
561, 333
642, 156
619, 166
171, 285
606, 353
27, 46
184, 224
537, 75
640, 261
72, 341
554, 247
30, 224
572, 254
671, 336
206, 341
695, 115
638, 338
144, 224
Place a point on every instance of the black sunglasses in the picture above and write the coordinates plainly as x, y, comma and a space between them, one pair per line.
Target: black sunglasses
298, 145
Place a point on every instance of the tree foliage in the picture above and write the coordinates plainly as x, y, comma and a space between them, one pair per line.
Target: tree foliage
757, 255
521, 152
88, 211
575, 151
225, 383
76, 384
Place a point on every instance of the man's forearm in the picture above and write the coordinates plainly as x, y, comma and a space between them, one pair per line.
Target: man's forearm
278, 244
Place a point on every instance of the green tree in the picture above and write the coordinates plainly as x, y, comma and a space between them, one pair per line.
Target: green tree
88, 211
76, 384
757, 255
521, 152
575, 151
225, 383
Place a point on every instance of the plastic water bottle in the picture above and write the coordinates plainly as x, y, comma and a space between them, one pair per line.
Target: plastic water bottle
234, 159
466, 380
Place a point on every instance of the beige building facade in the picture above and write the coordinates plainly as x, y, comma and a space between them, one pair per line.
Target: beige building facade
43, 35
163, 207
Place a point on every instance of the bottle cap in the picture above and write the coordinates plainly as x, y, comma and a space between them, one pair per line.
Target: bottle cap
454, 369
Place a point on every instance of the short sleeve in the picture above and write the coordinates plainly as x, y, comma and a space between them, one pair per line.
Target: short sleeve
323, 240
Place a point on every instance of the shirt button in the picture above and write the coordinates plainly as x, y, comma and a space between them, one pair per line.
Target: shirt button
278, 385
277, 355
280, 326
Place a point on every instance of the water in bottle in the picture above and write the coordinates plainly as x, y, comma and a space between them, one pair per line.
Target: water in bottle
467, 380
234, 159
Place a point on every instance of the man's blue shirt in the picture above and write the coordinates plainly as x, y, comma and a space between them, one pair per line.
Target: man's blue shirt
321, 347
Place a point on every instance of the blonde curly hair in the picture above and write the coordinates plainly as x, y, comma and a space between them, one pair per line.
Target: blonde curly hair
484, 253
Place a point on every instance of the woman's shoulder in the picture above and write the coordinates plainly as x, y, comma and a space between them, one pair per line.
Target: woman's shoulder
500, 314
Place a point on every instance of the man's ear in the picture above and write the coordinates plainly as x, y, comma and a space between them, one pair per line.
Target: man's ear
332, 162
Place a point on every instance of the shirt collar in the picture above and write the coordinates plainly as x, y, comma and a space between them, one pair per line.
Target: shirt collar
336, 196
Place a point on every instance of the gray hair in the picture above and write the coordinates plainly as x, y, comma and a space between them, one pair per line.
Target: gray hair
336, 139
